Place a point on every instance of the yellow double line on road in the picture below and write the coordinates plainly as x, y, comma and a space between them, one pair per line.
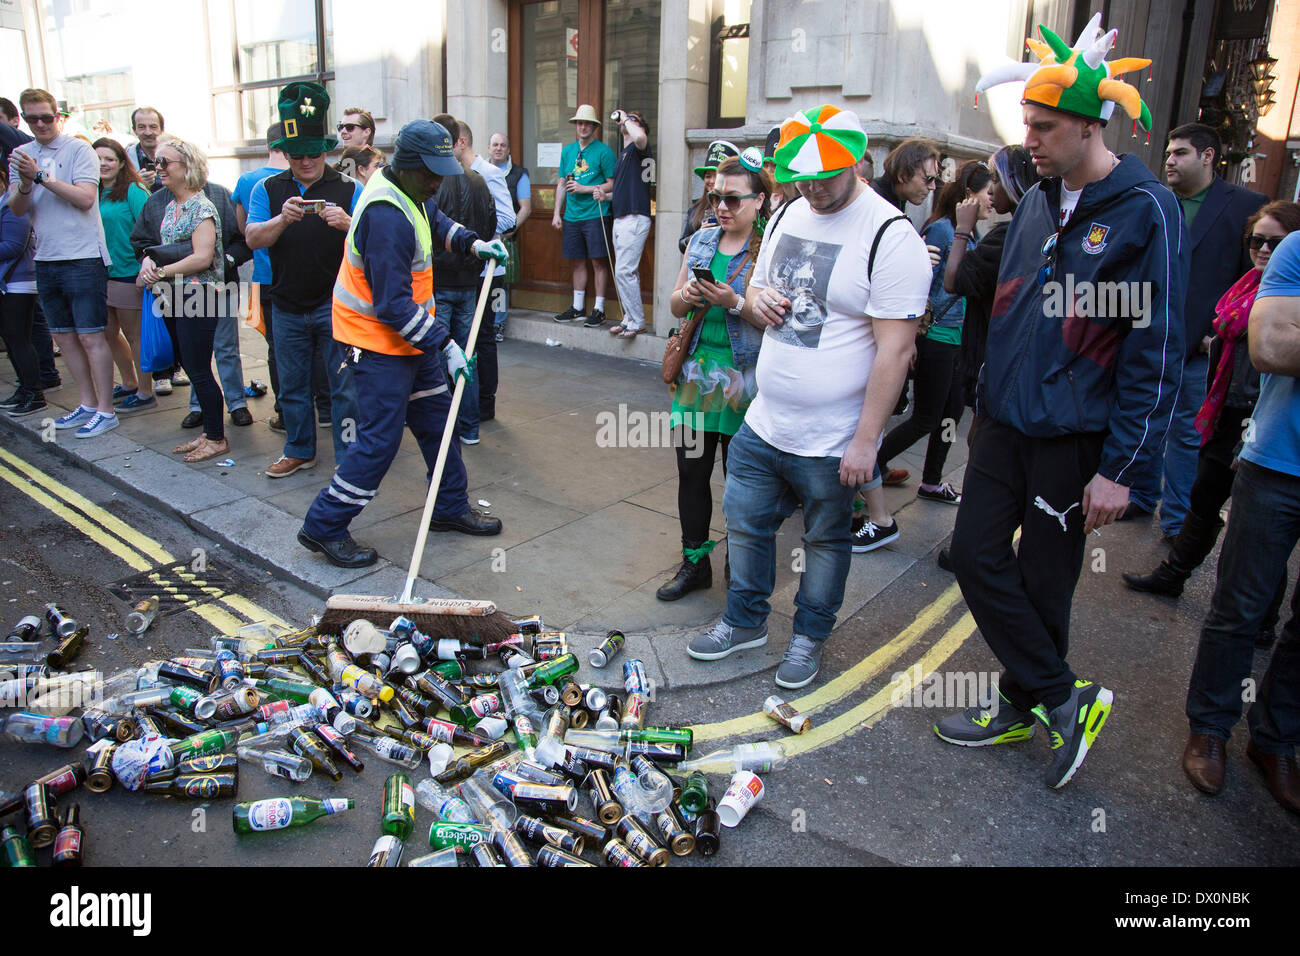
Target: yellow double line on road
133, 547
141, 553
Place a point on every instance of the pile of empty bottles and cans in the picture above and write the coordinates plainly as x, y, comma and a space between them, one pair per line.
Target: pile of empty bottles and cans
513, 749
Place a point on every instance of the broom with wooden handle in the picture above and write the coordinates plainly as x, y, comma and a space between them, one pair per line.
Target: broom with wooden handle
475, 622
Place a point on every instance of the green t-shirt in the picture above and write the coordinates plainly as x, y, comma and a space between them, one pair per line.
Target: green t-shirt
119, 218
1192, 204
588, 167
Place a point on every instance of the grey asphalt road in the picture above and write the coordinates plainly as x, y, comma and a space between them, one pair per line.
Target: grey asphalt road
885, 794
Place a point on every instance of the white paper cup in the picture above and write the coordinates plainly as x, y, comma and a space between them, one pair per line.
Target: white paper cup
745, 791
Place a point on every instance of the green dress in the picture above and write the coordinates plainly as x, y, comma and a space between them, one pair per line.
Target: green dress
712, 394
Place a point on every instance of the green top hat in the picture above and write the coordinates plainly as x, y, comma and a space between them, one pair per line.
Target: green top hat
304, 114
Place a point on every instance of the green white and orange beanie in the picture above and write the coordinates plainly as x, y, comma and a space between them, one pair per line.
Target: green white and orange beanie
819, 143
1076, 79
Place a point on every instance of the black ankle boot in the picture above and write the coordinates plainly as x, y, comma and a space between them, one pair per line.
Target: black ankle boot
689, 577
1194, 543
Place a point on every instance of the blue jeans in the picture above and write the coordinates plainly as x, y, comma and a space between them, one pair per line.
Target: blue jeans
763, 487
296, 336
225, 349
454, 308
1179, 460
1262, 532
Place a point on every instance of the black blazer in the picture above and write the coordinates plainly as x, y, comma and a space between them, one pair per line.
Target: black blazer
1219, 256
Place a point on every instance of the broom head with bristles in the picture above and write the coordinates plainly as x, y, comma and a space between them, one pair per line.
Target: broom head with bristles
471, 622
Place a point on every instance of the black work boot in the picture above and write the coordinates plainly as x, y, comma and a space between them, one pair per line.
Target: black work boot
691, 576
1194, 543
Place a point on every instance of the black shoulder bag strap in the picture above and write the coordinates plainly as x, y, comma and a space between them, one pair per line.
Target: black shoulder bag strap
880, 233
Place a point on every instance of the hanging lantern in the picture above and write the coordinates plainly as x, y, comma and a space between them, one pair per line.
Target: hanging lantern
1260, 66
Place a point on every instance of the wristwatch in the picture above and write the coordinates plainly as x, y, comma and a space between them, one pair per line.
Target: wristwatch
740, 304
39, 178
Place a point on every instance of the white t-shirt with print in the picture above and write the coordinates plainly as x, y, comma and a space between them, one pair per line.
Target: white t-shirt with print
812, 371
1069, 200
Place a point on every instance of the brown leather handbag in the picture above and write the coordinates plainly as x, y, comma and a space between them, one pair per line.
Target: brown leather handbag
680, 340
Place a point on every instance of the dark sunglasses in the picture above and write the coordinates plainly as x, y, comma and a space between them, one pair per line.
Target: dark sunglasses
1259, 242
728, 202
933, 181
349, 127
299, 158
161, 163
1049, 253
32, 120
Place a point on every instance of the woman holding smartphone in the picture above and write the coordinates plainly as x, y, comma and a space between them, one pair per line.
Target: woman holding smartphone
717, 382
183, 170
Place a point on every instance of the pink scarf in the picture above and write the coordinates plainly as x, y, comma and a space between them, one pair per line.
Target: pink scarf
1230, 324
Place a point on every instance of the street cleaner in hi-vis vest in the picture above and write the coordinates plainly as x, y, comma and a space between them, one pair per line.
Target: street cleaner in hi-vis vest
384, 313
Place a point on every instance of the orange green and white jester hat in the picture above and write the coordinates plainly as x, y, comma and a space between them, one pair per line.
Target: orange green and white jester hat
818, 143
1078, 79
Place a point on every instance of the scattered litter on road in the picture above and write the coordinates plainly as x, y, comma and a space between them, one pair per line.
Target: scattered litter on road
228, 463
551, 343
484, 504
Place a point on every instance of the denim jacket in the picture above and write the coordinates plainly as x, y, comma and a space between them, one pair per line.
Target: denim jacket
745, 339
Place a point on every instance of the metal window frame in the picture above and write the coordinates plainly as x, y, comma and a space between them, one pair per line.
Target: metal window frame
320, 75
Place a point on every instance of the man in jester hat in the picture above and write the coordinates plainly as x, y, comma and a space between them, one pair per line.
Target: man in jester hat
1077, 391
838, 288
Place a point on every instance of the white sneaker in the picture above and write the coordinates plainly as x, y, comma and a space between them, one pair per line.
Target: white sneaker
98, 424
162, 386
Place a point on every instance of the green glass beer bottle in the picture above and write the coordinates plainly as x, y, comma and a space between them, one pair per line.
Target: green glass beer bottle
397, 813
553, 670
281, 813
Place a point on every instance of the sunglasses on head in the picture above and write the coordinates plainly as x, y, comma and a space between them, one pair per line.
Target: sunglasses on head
1259, 242
33, 119
729, 201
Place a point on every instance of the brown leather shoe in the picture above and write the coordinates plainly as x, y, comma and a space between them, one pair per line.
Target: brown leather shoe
1280, 775
285, 466
1204, 760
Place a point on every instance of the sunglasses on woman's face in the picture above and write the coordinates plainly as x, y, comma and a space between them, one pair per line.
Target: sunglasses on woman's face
730, 201
1259, 242
162, 163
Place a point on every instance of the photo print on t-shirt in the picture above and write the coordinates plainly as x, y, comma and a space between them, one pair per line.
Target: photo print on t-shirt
801, 271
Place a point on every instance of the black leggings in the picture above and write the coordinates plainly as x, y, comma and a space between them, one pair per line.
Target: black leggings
694, 472
17, 310
194, 336
937, 394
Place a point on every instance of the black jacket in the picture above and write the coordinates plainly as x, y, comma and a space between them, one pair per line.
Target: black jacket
466, 200
1219, 257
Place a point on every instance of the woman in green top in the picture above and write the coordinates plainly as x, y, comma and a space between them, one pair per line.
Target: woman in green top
121, 198
717, 381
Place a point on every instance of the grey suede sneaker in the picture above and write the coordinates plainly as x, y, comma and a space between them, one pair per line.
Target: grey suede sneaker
721, 639
803, 658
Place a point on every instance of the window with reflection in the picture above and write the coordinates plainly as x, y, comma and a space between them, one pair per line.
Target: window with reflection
255, 48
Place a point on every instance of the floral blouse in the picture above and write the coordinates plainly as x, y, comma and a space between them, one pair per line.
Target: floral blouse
179, 223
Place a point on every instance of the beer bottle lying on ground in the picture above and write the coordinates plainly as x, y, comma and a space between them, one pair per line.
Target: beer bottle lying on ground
281, 813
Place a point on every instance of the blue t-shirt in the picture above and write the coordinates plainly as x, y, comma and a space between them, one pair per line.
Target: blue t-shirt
1274, 442
242, 195
524, 189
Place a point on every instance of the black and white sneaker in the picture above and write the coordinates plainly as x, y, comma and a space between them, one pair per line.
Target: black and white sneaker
569, 314
868, 537
944, 493
596, 320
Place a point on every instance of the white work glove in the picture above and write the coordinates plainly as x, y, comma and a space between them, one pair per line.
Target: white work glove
496, 249
457, 364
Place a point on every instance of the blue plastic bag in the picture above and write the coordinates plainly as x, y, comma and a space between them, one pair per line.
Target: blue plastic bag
155, 344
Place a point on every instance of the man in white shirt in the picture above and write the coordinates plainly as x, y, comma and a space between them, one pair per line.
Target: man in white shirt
55, 181
839, 287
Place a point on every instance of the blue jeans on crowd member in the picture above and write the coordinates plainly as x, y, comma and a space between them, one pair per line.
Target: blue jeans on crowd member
763, 487
230, 369
296, 336
1262, 532
454, 308
1179, 460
